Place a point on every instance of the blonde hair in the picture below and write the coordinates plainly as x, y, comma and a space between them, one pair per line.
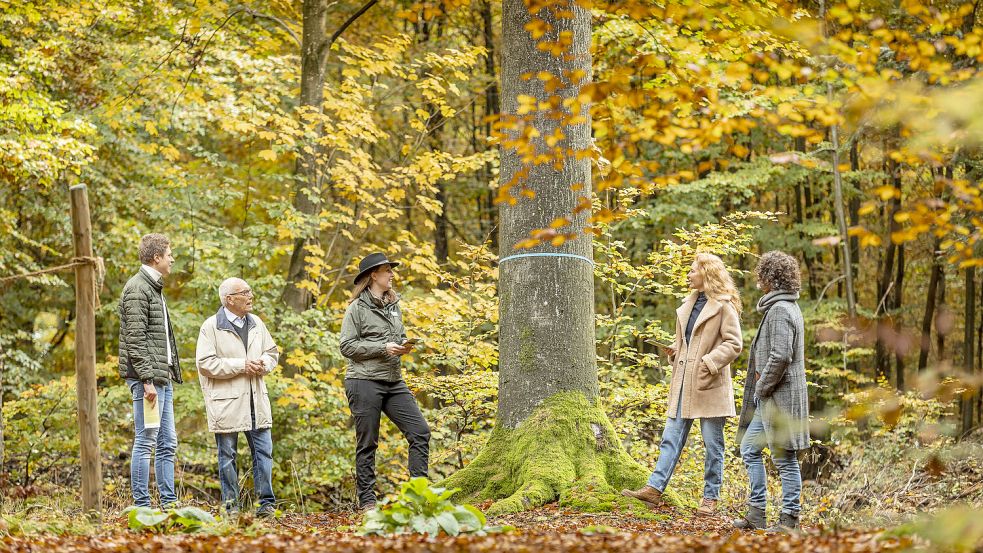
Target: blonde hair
363, 283
717, 282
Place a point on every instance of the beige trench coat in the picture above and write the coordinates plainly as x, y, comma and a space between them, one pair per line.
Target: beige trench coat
702, 367
221, 361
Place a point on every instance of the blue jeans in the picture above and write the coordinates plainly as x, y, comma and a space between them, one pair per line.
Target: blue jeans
674, 438
752, 444
261, 449
145, 440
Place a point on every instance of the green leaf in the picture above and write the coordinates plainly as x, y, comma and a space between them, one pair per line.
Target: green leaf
478, 514
196, 514
149, 517
449, 523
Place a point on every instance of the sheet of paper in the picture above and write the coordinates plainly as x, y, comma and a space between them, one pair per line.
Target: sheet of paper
151, 414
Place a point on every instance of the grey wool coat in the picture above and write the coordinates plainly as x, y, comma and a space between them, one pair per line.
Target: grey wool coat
778, 359
142, 337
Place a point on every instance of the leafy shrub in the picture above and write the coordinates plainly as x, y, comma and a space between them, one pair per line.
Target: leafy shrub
183, 519
422, 509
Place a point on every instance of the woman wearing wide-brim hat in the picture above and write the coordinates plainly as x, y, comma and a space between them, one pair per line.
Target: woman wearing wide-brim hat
373, 339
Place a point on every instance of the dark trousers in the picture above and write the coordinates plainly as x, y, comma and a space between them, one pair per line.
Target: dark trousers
368, 399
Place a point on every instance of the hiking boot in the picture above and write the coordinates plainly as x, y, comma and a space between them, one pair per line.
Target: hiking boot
708, 507
787, 524
753, 520
647, 495
366, 507
266, 511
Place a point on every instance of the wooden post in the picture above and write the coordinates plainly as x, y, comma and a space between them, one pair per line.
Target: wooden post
85, 353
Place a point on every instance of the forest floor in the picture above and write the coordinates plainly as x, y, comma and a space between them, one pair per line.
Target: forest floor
544, 529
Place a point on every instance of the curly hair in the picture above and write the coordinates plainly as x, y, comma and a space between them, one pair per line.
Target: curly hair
152, 246
717, 282
778, 271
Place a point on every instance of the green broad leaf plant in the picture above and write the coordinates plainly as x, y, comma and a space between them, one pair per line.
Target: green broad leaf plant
422, 509
183, 519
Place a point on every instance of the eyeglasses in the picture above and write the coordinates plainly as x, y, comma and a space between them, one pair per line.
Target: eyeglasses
247, 293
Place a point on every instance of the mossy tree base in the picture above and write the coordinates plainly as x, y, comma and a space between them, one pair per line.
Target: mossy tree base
566, 450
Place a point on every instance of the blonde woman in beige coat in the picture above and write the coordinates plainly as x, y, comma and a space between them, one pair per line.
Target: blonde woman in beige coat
708, 339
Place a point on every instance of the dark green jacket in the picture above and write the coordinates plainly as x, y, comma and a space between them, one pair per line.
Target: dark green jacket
367, 327
142, 340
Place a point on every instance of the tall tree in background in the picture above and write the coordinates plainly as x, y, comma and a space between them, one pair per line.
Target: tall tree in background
314, 51
308, 182
969, 325
551, 439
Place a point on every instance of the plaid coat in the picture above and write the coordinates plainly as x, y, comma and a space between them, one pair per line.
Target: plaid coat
778, 359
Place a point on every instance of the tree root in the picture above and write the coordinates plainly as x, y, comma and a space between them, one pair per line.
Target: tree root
566, 450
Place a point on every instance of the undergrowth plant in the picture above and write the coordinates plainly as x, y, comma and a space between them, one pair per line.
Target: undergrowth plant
422, 509
183, 519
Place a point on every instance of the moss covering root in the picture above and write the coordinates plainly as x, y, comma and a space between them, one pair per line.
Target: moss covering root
566, 450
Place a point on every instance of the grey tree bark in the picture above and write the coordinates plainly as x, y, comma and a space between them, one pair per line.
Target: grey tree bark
969, 362
552, 439
546, 303
307, 176
315, 50
3, 472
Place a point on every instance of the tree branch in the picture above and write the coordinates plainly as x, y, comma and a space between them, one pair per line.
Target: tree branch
281, 23
326, 47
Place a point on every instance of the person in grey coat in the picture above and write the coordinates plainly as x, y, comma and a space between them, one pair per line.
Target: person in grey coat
373, 339
775, 412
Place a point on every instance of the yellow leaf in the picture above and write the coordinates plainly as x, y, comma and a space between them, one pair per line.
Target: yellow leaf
268, 155
886, 192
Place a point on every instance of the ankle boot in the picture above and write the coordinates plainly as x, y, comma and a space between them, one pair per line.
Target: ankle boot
753, 520
787, 524
646, 494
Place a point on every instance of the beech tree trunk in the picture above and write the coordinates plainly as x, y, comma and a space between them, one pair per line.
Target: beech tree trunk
552, 439
547, 303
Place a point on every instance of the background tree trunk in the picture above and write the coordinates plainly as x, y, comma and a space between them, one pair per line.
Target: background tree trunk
3, 471
969, 361
900, 345
886, 292
308, 185
930, 298
492, 108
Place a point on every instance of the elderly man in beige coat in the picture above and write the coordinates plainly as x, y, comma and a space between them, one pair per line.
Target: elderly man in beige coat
235, 351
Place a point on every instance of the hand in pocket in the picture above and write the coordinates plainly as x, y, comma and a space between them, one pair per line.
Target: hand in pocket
706, 380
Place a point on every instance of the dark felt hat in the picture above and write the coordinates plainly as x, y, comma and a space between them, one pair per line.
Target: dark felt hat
372, 261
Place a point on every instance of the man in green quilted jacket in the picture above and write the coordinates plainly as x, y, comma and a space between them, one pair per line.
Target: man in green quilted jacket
148, 360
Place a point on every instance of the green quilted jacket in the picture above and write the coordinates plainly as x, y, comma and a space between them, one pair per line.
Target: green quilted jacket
142, 340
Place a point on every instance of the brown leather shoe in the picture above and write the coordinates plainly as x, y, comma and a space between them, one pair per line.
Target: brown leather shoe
708, 508
647, 495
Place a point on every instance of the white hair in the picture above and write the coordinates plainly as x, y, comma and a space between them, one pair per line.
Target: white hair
226, 287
